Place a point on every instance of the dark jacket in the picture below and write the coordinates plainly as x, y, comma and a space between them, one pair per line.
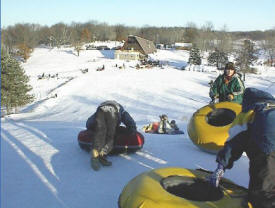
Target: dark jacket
253, 132
221, 89
122, 115
105, 122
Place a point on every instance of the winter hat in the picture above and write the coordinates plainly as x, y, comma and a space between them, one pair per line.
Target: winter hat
230, 65
252, 96
163, 117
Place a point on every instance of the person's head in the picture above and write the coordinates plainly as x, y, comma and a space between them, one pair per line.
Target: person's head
163, 117
229, 69
173, 122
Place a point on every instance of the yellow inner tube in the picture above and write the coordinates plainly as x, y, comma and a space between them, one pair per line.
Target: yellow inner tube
211, 136
146, 191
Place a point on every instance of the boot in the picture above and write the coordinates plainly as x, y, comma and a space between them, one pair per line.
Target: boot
103, 160
95, 164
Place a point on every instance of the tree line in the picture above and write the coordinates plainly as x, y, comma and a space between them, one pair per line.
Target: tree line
22, 38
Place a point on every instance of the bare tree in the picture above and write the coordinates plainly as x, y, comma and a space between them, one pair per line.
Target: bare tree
121, 32
86, 35
205, 38
20, 39
190, 32
44, 35
60, 34
268, 46
224, 42
103, 32
75, 38
24, 51
246, 55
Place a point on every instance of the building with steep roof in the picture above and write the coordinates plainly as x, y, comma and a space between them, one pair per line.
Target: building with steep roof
135, 48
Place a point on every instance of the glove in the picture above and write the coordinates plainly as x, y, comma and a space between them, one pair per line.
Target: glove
214, 100
215, 178
230, 97
94, 153
104, 151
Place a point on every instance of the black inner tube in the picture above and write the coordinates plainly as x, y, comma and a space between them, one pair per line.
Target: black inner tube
196, 189
220, 117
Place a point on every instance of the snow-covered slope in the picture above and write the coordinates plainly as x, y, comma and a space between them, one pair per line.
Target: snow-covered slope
41, 163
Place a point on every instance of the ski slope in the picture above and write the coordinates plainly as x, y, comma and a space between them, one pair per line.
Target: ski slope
41, 163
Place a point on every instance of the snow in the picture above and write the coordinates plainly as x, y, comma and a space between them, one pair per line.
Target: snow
41, 162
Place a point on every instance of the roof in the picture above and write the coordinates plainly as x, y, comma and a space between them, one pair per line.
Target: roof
146, 45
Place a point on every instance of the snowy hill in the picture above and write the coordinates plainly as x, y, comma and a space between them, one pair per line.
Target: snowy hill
41, 163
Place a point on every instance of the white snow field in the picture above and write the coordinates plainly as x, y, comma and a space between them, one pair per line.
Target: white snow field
41, 162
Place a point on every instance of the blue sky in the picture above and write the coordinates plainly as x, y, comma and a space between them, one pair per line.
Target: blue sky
237, 15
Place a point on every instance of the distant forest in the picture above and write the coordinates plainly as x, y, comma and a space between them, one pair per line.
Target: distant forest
22, 38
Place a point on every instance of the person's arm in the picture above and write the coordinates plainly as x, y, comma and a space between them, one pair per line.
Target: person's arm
90, 122
231, 152
237, 88
213, 92
128, 121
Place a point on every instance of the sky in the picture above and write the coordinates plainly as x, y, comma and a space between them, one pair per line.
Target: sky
244, 15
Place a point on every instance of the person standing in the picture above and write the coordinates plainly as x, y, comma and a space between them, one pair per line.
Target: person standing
228, 86
253, 132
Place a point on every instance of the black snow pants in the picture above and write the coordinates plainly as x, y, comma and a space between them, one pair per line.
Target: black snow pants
106, 123
261, 192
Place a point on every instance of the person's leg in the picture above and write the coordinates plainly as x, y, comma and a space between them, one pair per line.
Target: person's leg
262, 184
99, 139
112, 125
111, 119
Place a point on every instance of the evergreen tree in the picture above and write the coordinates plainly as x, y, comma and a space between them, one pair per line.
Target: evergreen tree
14, 83
218, 59
246, 55
194, 57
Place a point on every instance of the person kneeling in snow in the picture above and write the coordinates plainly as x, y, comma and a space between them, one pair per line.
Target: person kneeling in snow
104, 123
166, 127
253, 132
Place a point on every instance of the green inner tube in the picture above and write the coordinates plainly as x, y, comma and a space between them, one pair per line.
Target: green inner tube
220, 117
196, 189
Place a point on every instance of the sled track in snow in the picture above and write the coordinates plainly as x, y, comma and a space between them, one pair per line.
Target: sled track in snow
144, 159
35, 105
62, 84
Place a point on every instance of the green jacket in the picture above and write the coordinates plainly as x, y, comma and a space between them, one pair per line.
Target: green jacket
221, 90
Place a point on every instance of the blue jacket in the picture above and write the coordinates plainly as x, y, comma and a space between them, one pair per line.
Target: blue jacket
252, 130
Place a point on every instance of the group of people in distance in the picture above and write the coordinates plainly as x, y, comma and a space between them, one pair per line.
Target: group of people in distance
253, 132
